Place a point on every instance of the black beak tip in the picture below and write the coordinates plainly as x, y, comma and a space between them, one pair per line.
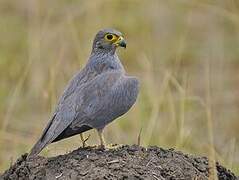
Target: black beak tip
123, 44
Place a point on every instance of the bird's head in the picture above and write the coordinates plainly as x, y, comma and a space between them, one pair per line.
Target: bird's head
107, 40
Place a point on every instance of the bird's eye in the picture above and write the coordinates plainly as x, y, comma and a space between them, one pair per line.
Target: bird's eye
109, 37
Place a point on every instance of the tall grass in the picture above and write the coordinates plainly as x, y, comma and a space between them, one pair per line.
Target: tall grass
185, 54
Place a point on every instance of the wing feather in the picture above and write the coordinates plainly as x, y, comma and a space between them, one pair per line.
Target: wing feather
80, 101
111, 96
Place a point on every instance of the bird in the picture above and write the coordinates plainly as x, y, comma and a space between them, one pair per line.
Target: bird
98, 94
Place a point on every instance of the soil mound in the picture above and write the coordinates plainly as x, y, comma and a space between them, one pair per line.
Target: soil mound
126, 162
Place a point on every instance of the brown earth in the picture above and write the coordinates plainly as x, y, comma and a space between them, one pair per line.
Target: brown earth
126, 162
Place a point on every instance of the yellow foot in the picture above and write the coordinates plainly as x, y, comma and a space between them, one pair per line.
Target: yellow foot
114, 146
109, 146
84, 144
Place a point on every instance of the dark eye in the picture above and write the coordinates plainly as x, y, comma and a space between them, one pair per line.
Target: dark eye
109, 36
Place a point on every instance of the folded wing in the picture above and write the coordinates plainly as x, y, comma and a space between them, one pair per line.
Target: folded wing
85, 101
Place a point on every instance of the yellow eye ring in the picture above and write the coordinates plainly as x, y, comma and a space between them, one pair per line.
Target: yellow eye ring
110, 37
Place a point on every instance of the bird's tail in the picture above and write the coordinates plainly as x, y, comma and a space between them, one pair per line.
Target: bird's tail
42, 142
37, 148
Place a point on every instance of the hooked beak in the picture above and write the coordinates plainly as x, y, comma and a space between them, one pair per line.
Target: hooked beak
120, 42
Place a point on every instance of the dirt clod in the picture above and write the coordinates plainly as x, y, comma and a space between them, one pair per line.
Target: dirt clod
126, 162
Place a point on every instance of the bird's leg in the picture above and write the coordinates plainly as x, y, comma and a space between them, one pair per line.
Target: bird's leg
102, 141
83, 140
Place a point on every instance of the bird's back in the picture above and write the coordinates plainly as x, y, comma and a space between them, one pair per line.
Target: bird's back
113, 101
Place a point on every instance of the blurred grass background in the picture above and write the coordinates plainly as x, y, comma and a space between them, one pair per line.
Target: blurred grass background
185, 52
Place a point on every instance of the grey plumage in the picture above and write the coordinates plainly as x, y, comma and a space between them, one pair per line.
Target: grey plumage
95, 96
